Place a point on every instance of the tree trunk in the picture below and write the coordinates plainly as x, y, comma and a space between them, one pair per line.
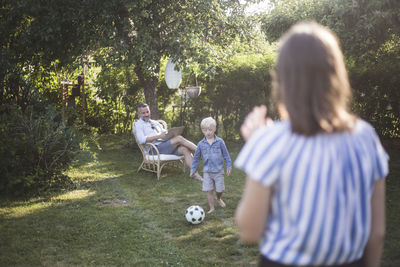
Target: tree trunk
149, 86
150, 95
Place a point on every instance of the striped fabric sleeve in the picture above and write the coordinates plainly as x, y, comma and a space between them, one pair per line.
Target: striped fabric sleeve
259, 157
381, 157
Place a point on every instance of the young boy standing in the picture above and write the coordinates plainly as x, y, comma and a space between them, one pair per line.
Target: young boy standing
213, 151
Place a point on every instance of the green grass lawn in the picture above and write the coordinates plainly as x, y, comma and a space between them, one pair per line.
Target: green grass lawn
118, 217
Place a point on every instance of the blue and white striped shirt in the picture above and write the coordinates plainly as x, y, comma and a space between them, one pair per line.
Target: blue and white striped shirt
322, 185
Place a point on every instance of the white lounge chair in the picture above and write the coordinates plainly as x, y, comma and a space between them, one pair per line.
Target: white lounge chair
155, 163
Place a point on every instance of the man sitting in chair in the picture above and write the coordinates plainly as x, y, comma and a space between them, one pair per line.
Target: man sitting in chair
150, 131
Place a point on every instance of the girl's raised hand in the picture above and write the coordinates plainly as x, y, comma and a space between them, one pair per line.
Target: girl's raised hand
253, 121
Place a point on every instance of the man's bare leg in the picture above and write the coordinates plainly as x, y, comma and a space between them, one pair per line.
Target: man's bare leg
179, 140
219, 199
210, 197
187, 155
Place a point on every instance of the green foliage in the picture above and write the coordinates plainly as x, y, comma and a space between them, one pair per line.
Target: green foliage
241, 83
369, 32
376, 94
36, 33
145, 32
285, 13
113, 101
128, 40
35, 149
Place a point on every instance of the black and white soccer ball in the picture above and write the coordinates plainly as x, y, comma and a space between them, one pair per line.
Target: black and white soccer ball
195, 214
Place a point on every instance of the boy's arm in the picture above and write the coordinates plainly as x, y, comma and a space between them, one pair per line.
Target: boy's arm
227, 158
196, 160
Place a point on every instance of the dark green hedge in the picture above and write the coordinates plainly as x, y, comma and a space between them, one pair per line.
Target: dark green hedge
35, 148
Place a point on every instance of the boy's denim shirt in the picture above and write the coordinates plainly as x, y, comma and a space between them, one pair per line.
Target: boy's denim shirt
213, 156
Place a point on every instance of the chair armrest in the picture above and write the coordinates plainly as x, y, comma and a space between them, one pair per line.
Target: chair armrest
150, 147
164, 124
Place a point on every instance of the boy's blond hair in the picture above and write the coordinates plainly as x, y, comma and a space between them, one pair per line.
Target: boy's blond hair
208, 122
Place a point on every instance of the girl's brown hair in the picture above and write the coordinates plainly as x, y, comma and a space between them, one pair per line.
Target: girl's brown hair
311, 80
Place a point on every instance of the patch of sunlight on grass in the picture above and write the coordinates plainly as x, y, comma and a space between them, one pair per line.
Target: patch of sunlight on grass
190, 233
24, 210
90, 175
199, 229
74, 195
30, 208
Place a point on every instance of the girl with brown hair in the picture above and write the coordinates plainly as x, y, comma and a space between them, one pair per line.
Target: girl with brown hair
315, 193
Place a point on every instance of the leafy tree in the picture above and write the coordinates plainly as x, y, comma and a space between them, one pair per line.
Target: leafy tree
140, 33
37, 41
146, 31
36, 36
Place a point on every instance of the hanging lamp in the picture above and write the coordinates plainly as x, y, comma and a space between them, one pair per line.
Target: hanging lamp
173, 78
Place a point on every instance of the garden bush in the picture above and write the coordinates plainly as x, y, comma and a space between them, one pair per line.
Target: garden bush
35, 148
